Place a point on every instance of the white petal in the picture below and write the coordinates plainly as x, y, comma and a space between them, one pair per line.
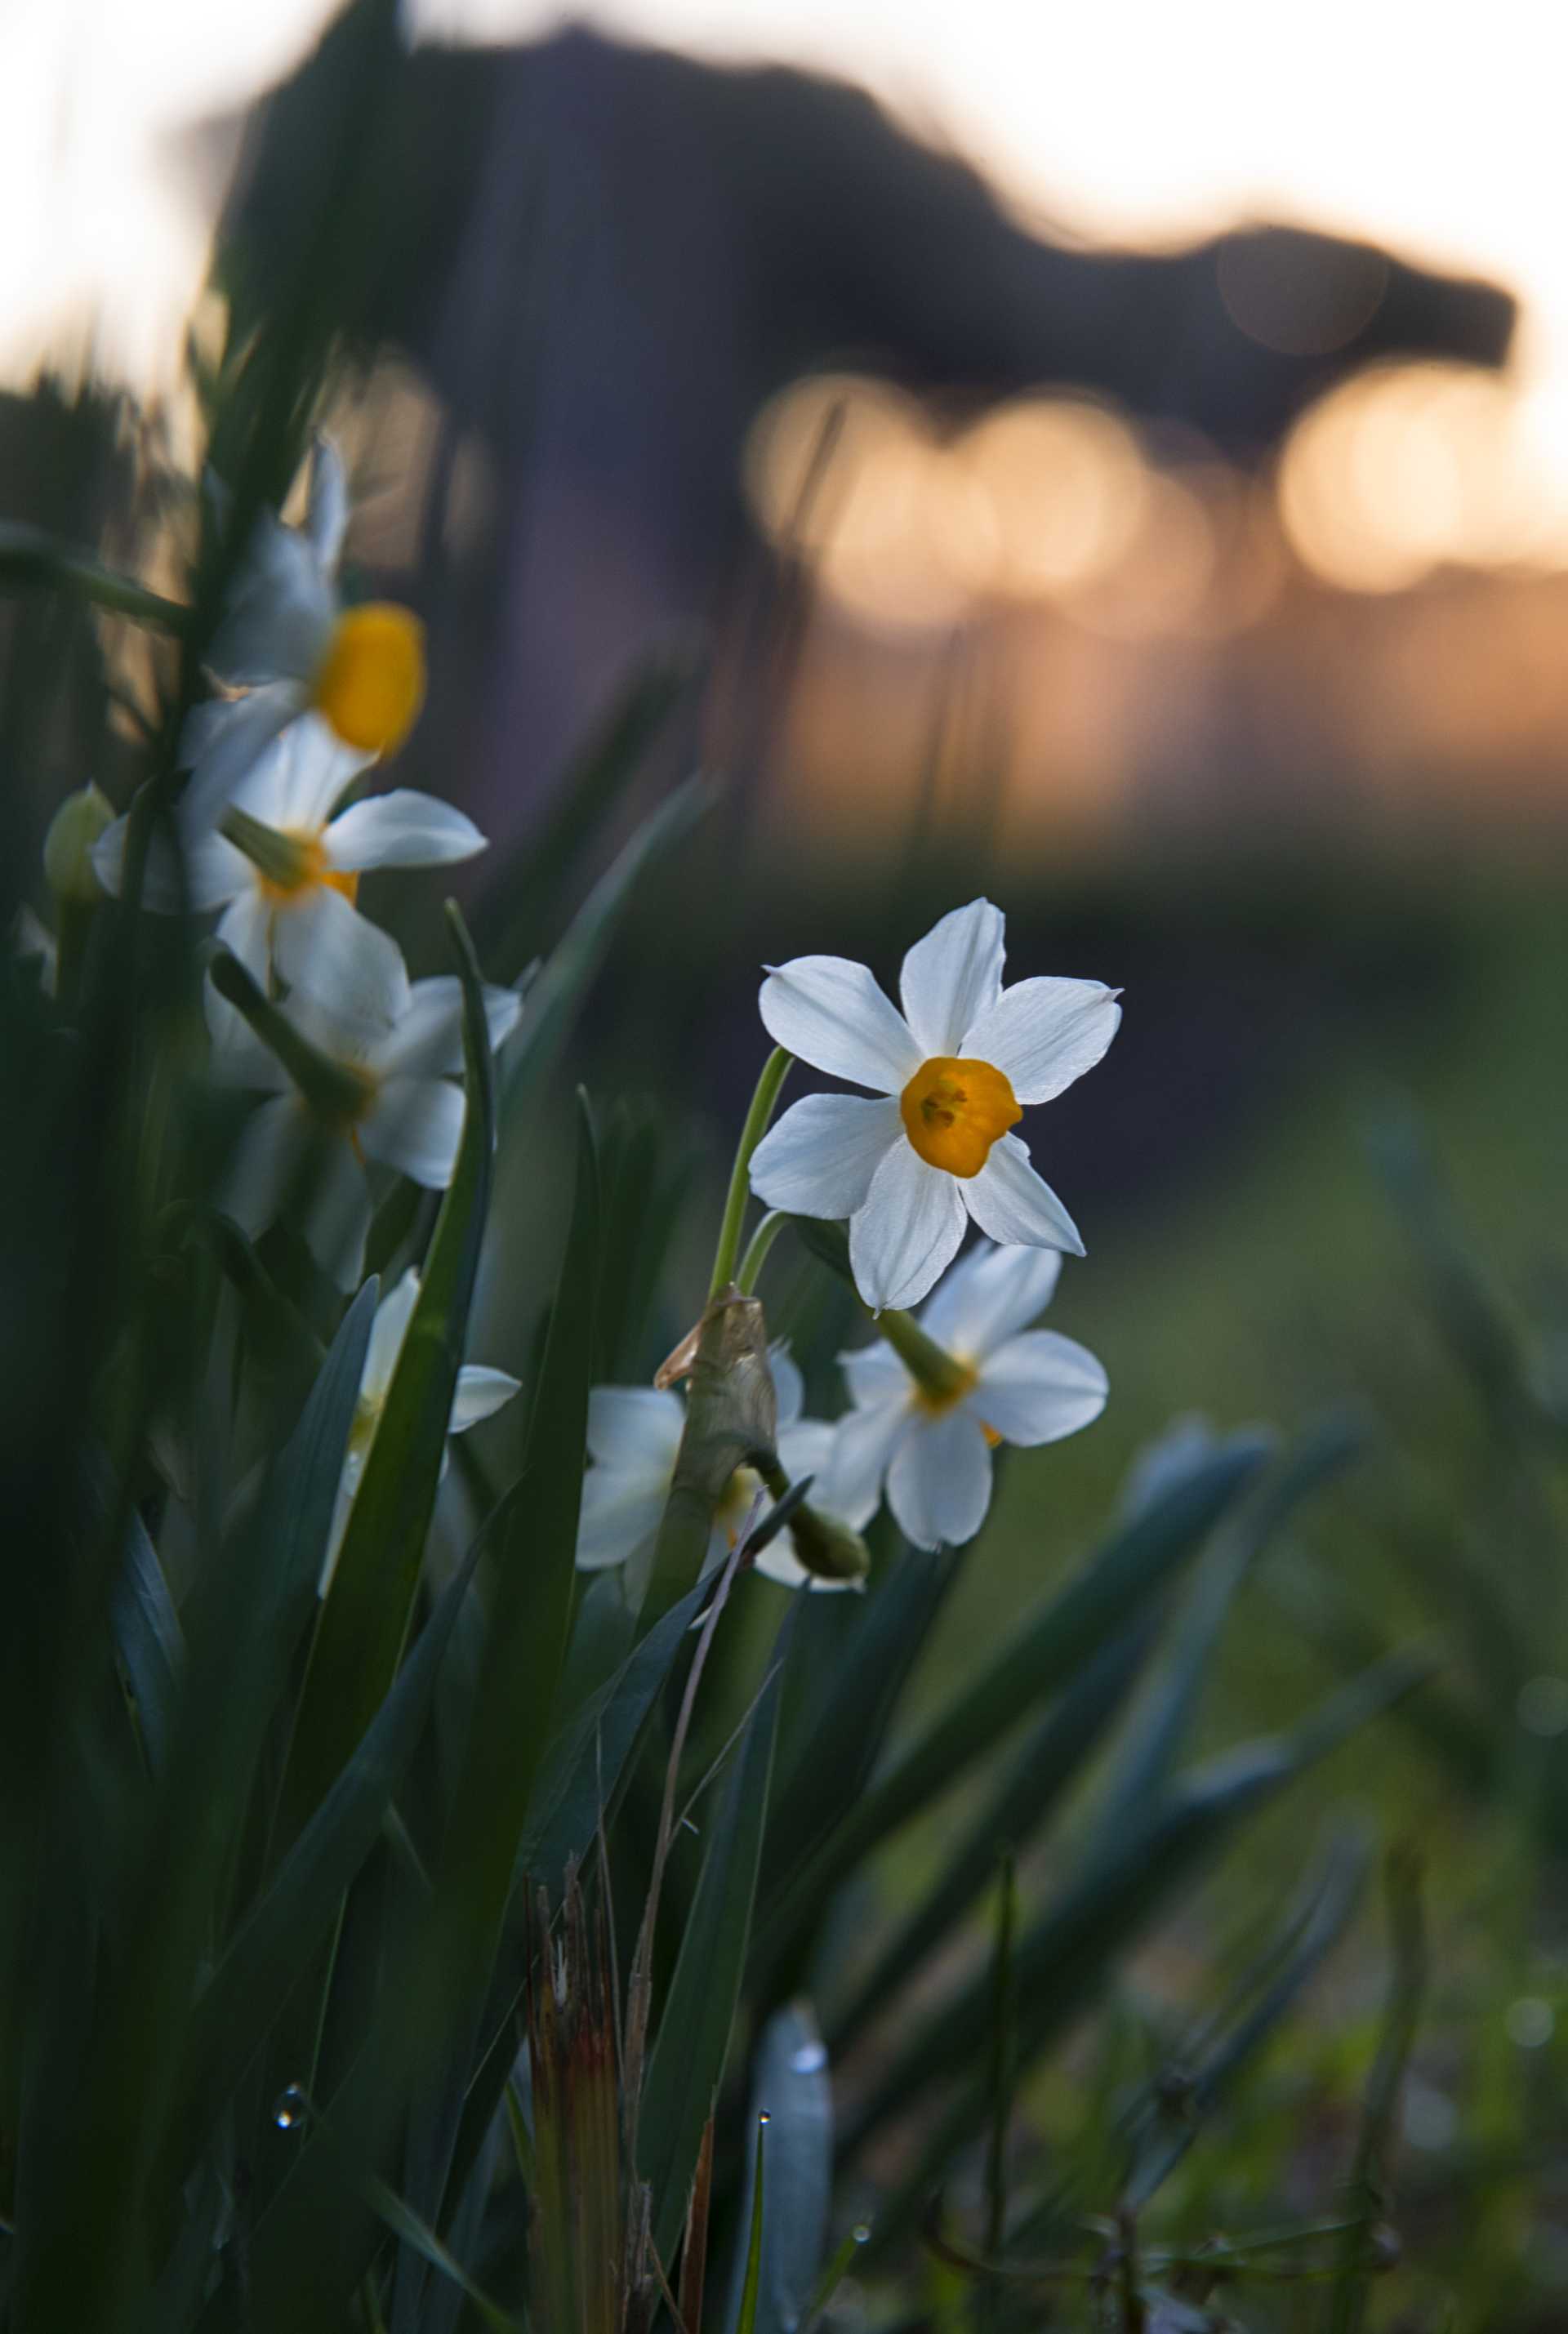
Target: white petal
618, 1517
246, 929
387, 1331
940, 1483
1038, 1387
222, 742
327, 511
322, 943
953, 975
875, 1374
804, 1448
820, 1158
401, 829
297, 782
239, 1058
635, 1426
907, 1232
281, 612
426, 1038
195, 872
275, 1140
990, 1294
788, 1385
416, 1125
1008, 1200
850, 1486
481, 1393
338, 1214
832, 1014
1042, 1034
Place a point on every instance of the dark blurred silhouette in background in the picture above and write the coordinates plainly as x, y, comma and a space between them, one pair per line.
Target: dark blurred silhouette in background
597, 261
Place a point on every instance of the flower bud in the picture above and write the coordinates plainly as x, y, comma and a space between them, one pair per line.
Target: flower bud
75, 827
827, 1548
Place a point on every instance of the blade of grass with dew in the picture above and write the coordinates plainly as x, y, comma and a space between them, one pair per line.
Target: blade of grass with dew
692, 2040
790, 2086
746, 2316
278, 1938
94, 2154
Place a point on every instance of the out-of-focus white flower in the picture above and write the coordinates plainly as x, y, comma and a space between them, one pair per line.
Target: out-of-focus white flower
290, 647
285, 871
34, 942
1013, 1384
633, 1438
394, 1101
480, 1392
954, 1068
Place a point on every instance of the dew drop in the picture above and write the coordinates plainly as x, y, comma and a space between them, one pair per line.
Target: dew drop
764, 2119
862, 2233
809, 2060
291, 2110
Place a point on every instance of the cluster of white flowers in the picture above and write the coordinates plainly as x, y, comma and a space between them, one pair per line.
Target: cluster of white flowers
908, 1171
312, 695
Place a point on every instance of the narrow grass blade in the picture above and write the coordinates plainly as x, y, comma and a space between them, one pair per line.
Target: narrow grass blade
1163, 1720
792, 2098
148, 1640
276, 1941
1049, 1762
364, 1620
245, 1621
1125, 1883
689, 2053
1064, 1631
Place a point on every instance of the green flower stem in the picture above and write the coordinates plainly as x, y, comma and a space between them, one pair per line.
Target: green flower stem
764, 1102
334, 1091
935, 1371
757, 1247
279, 858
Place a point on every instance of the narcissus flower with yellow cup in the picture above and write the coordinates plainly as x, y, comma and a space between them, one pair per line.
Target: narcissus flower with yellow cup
953, 1074
929, 1439
633, 1440
344, 1094
479, 1393
287, 646
285, 864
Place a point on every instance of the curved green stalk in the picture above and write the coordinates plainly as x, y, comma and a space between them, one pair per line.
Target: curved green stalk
774, 1071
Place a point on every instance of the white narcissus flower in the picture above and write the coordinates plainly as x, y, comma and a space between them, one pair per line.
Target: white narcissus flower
398, 1105
633, 1438
955, 1068
285, 871
479, 1393
290, 645
1015, 1384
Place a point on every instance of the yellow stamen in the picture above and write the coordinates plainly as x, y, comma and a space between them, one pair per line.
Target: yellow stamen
936, 1403
312, 870
954, 1110
371, 683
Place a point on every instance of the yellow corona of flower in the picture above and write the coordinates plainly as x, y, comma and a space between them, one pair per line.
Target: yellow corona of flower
953, 1073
